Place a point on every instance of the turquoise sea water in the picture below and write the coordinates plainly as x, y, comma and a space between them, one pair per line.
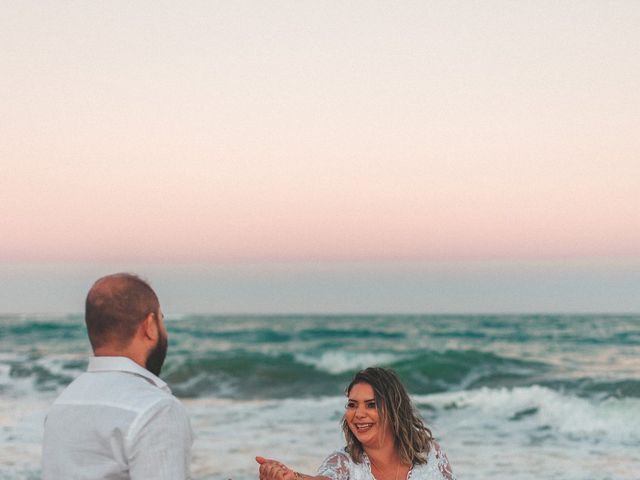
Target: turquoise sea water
509, 397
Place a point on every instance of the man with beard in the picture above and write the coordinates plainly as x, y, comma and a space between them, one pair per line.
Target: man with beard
118, 420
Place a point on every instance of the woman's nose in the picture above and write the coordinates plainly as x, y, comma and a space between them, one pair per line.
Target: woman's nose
360, 411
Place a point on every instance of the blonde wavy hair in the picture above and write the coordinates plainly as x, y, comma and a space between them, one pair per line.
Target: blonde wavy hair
412, 438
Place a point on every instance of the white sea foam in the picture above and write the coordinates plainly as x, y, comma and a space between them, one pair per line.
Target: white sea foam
22, 422
231, 433
346, 361
486, 434
52, 370
478, 429
533, 432
536, 408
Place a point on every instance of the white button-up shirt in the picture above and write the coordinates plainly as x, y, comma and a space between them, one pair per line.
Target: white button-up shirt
116, 421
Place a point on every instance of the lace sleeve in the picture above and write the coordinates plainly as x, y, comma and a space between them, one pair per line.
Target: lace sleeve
443, 462
335, 466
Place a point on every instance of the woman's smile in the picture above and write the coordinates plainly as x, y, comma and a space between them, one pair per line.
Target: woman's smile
363, 427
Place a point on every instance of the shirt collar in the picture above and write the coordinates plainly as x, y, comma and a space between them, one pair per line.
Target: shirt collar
125, 364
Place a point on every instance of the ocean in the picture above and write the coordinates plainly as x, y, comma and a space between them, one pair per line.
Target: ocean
517, 397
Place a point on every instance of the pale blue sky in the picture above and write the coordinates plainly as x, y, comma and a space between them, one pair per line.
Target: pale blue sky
557, 286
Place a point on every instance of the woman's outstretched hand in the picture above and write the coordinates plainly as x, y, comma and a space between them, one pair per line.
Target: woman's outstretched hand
274, 470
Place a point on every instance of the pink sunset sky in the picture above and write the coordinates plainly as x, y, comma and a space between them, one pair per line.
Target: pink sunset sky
287, 131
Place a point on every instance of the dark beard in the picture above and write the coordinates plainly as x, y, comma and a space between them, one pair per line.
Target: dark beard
157, 356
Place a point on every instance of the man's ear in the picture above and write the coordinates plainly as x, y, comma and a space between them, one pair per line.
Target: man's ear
149, 327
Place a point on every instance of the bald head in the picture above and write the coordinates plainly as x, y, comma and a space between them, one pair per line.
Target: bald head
115, 307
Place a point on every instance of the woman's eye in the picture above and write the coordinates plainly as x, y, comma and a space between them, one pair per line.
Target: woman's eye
371, 405
351, 405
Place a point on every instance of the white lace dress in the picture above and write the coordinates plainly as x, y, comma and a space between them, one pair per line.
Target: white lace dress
340, 466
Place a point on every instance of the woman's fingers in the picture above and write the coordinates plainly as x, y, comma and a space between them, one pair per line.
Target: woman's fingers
273, 470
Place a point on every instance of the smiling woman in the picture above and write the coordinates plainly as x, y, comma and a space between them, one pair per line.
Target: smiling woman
386, 439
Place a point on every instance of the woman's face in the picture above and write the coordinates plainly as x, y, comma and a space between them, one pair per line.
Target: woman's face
363, 417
